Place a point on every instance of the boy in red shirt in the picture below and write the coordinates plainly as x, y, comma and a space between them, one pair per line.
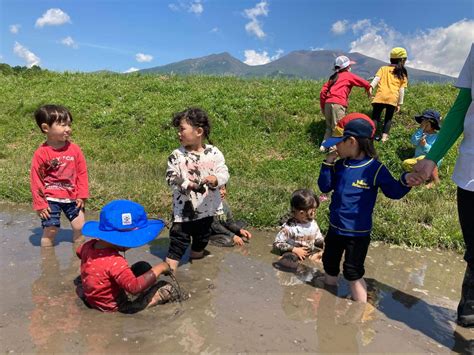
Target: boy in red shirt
58, 175
106, 278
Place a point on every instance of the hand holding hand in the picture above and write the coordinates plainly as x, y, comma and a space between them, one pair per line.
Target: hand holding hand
301, 252
414, 179
44, 213
424, 168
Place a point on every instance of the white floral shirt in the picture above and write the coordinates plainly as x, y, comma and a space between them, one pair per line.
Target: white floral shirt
185, 167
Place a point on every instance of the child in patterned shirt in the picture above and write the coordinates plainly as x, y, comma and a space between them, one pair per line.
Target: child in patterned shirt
195, 173
300, 237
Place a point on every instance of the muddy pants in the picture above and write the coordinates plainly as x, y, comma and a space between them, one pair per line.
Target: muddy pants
182, 232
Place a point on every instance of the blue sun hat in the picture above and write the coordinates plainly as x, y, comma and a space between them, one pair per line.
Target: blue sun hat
431, 115
124, 223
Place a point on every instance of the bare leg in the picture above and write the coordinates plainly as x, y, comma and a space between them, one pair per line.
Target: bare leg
359, 290
173, 264
330, 280
77, 224
49, 233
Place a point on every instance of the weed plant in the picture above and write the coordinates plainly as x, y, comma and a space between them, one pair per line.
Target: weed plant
268, 129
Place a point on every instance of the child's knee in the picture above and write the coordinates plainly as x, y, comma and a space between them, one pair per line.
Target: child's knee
353, 272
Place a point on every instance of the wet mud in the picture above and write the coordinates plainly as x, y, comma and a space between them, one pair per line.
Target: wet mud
239, 302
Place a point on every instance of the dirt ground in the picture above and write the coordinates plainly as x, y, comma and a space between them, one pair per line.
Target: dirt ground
239, 302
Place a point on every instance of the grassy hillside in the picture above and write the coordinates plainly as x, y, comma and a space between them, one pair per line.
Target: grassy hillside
268, 130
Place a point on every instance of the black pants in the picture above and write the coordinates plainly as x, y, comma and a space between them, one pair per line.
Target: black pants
354, 250
181, 233
377, 114
466, 219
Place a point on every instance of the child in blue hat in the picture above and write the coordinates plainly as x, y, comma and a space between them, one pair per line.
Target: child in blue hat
106, 277
423, 139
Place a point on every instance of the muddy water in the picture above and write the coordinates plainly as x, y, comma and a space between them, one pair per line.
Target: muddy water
239, 302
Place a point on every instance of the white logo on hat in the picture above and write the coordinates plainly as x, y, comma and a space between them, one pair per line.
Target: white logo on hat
126, 219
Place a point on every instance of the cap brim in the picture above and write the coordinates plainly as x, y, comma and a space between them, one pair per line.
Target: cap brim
128, 239
419, 118
331, 141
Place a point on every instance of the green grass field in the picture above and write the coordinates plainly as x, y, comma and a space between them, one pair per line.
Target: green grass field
269, 131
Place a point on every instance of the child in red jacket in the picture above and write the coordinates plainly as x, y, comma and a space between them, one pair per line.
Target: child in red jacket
58, 176
106, 278
334, 95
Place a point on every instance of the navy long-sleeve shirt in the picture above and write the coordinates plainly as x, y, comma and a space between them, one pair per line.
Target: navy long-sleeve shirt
355, 184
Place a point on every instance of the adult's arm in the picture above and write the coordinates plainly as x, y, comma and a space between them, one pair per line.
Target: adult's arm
452, 127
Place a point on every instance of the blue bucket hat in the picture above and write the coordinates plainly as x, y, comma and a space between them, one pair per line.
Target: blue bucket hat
124, 223
431, 115
354, 124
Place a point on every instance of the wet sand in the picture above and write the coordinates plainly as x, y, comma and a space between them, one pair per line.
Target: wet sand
239, 302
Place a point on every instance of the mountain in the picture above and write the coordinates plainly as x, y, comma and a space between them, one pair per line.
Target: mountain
298, 64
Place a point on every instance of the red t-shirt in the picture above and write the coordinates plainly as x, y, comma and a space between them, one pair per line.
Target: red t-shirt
340, 90
58, 173
106, 275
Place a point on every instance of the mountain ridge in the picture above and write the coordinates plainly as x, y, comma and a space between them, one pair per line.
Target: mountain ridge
299, 64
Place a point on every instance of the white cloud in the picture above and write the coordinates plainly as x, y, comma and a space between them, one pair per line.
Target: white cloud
314, 49
214, 30
339, 27
254, 26
53, 17
69, 42
131, 70
253, 57
442, 49
277, 55
141, 57
196, 7
173, 7
15, 28
24, 53
193, 6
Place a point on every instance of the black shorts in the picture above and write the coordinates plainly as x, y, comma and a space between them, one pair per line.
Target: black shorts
354, 250
182, 232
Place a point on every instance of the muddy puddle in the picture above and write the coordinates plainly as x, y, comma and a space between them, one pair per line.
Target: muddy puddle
239, 302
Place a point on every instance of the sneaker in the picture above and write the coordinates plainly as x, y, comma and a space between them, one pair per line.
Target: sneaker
377, 138
288, 262
384, 137
322, 149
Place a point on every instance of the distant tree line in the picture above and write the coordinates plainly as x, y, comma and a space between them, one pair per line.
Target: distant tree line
6, 69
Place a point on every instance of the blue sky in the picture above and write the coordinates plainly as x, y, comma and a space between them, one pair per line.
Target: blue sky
125, 35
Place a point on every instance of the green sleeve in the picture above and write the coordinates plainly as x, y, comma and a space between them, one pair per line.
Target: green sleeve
453, 126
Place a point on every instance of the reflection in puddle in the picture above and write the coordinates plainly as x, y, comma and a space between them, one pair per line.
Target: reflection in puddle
239, 302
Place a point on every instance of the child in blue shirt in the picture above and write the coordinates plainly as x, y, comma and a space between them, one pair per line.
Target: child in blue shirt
423, 139
354, 179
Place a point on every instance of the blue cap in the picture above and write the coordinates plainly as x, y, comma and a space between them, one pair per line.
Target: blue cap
352, 125
124, 223
431, 115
